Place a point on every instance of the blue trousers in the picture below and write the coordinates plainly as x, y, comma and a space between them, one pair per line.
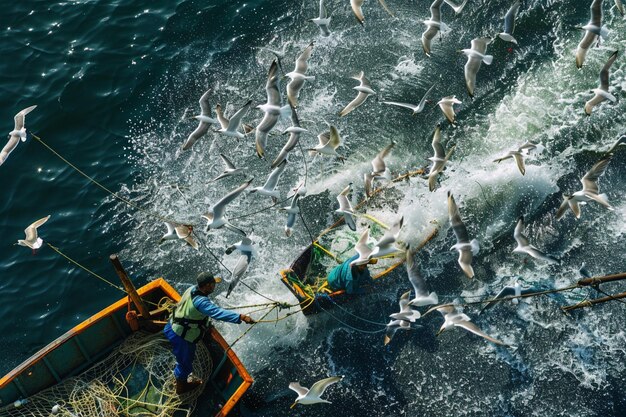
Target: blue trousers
184, 352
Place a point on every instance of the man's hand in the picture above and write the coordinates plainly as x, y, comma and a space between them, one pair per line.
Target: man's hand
246, 319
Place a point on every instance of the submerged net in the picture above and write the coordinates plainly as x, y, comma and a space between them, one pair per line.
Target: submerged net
136, 379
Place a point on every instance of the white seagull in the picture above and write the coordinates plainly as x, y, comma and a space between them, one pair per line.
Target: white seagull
467, 250
180, 231
298, 76
453, 318
18, 133
406, 312
416, 109
312, 396
393, 326
589, 192
345, 208
379, 168
328, 143
602, 93
362, 249
439, 160
292, 210
230, 127
446, 105
204, 120
524, 246
386, 245
433, 26
519, 155
510, 291
593, 29
272, 109
269, 188
457, 8
241, 267
509, 24
364, 90
229, 168
244, 245
215, 216
358, 12
295, 130
32, 240
422, 296
476, 55
323, 20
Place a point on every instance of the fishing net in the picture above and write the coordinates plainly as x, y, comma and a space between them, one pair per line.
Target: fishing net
136, 379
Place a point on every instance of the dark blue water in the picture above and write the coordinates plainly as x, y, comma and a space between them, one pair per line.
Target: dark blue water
114, 81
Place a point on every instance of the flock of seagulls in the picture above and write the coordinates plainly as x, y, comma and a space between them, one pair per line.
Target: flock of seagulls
330, 140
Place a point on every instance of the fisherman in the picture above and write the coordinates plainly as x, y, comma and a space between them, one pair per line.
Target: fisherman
188, 324
351, 278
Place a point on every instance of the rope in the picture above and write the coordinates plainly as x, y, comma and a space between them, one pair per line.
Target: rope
306, 227
243, 216
355, 316
349, 326
57, 250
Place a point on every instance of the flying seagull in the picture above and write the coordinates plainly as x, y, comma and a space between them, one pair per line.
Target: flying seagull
602, 92
446, 105
294, 137
180, 231
589, 192
509, 24
393, 326
313, 395
272, 109
204, 120
456, 7
364, 90
416, 109
241, 267
433, 26
345, 208
519, 155
298, 76
32, 240
328, 143
386, 245
593, 29
406, 312
453, 318
269, 188
229, 168
439, 159
524, 246
510, 291
230, 127
358, 12
422, 297
215, 216
362, 249
379, 168
476, 55
323, 20
467, 250
292, 210
18, 133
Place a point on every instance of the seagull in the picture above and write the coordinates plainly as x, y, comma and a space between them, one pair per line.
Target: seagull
453, 318
240, 267
345, 207
519, 155
466, 249
244, 245
312, 396
589, 191
433, 26
593, 29
439, 159
422, 296
364, 90
416, 109
204, 119
272, 110
457, 8
18, 133
379, 168
406, 312
32, 240
269, 188
509, 24
297, 76
294, 136
229, 168
362, 249
475, 57
385, 246
602, 93
523, 246
180, 231
292, 211
215, 216
230, 127
393, 326
323, 20
446, 105
620, 7
358, 12
509, 291
328, 143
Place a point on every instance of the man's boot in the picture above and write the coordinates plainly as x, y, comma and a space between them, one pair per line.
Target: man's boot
183, 387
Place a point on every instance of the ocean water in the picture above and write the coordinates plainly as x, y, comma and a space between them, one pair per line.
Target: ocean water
115, 83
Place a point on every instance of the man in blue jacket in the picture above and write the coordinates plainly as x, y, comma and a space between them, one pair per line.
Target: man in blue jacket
350, 277
188, 323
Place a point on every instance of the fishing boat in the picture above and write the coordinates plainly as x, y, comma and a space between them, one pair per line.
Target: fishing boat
109, 365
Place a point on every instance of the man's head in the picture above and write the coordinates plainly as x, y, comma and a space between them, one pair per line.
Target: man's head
206, 282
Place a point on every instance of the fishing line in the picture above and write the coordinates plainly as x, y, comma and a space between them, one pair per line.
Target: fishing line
349, 326
355, 316
261, 210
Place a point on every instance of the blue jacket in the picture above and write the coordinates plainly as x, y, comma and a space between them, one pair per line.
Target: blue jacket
345, 277
206, 307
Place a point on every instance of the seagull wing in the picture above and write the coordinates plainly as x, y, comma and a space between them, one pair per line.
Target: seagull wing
31, 231
317, 389
415, 276
465, 262
205, 107
356, 9
518, 233
200, 131
460, 231
509, 18
226, 161
405, 105
335, 139
361, 246
235, 120
427, 37
604, 74
19, 117
596, 13
272, 179
224, 121
271, 86
505, 292
378, 163
519, 160
298, 389
323, 12
220, 206
293, 90
471, 327
344, 203
359, 99
302, 61
590, 180
440, 153
435, 10
480, 45
422, 102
